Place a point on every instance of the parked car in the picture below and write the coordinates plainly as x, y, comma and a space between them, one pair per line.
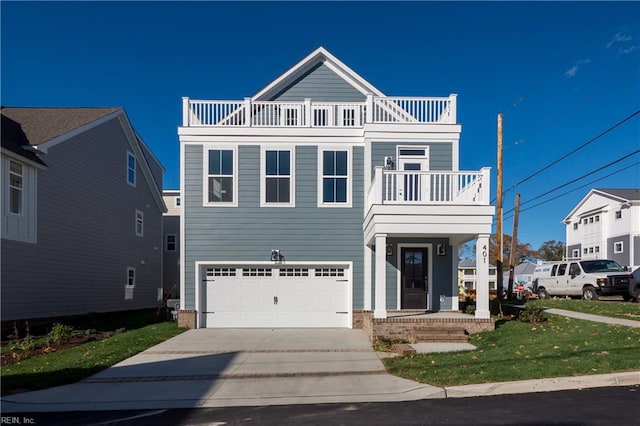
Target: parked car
589, 279
634, 286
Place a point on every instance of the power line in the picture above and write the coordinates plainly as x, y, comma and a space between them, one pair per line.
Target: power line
588, 142
593, 139
577, 188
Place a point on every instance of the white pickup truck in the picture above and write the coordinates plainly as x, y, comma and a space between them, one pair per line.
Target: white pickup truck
589, 279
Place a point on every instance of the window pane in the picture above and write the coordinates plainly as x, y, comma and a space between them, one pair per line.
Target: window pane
227, 162
221, 189
132, 162
15, 201
328, 163
272, 163
272, 190
419, 152
15, 181
328, 194
214, 162
341, 190
15, 167
341, 163
283, 190
284, 163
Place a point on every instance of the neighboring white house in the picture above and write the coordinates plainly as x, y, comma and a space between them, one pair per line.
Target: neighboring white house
321, 202
605, 225
171, 248
81, 214
467, 275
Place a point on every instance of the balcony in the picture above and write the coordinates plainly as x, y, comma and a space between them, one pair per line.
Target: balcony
375, 110
434, 203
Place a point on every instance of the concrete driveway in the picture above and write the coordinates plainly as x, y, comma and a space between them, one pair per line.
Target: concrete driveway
235, 367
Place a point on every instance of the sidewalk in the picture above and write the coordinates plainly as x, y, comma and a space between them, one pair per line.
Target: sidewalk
596, 318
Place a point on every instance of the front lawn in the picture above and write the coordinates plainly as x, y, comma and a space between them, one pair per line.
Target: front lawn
70, 365
557, 347
616, 309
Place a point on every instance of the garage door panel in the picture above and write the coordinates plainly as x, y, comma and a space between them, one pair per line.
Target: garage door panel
287, 296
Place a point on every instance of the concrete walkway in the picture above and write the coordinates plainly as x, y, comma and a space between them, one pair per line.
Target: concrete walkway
255, 367
596, 318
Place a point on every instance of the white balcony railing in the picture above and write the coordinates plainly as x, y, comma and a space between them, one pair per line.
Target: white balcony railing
429, 187
378, 110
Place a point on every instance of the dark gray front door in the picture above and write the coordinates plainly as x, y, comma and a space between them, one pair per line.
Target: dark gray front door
414, 278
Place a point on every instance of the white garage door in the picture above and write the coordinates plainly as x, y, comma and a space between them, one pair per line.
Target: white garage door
276, 296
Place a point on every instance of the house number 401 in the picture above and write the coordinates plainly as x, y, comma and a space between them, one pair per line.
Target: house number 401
484, 254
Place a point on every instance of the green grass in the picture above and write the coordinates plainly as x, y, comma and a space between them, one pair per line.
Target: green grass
73, 364
616, 309
519, 351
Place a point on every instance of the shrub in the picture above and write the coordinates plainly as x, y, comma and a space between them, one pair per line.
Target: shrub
61, 333
470, 309
532, 314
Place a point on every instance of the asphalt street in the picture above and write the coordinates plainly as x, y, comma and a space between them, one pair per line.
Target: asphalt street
618, 406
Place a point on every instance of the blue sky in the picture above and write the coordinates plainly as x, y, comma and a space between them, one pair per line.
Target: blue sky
560, 72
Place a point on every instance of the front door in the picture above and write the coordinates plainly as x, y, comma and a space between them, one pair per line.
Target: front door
414, 278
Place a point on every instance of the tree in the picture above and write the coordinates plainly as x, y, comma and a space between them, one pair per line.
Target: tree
551, 250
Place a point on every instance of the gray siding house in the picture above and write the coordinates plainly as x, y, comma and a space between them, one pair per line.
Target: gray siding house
321, 202
81, 214
171, 249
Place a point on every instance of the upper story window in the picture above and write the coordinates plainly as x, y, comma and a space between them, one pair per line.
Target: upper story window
277, 177
575, 226
131, 169
335, 182
139, 223
15, 187
619, 214
171, 242
221, 177
177, 201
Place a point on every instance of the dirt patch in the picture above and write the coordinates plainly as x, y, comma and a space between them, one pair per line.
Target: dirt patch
15, 355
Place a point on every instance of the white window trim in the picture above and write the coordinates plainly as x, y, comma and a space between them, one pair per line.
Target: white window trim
321, 150
621, 247
575, 253
166, 243
615, 215
205, 175
135, 168
129, 270
141, 214
292, 174
10, 187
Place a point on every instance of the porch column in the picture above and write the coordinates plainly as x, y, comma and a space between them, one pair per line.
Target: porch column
482, 276
381, 275
368, 256
455, 278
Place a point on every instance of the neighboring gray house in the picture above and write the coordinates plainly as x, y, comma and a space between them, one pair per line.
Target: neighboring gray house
522, 274
606, 225
171, 250
81, 214
321, 202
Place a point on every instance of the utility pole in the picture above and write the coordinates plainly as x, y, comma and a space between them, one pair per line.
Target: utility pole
514, 247
499, 265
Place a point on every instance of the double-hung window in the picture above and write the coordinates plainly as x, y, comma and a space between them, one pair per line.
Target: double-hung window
131, 169
131, 277
277, 177
334, 186
171, 242
221, 184
15, 187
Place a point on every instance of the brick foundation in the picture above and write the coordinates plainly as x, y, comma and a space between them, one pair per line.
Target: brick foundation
357, 318
424, 328
187, 318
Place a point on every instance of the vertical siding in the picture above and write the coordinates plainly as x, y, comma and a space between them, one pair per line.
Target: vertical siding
86, 235
249, 232
320, 84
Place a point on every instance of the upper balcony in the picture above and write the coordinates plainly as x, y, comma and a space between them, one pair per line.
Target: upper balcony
307, 113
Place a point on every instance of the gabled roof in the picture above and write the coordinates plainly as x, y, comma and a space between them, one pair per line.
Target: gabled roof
470, 263
619, 195
40, 128
320, 55
41, 125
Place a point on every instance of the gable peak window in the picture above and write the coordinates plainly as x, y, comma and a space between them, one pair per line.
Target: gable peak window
221, 176
277, 177
131, 169
619, 214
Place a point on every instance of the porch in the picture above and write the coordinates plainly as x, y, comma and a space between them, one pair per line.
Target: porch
415, 221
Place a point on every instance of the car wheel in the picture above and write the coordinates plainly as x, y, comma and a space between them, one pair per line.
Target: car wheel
636, 295
627, 297
543, 294
589, 293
